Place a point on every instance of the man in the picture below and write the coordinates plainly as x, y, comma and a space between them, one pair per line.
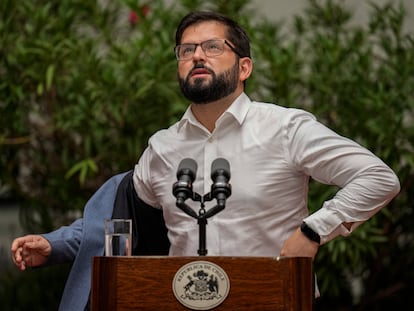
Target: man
76, 243
84, 238
272, 151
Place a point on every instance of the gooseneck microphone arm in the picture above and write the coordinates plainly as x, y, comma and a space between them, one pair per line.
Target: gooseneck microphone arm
220, 190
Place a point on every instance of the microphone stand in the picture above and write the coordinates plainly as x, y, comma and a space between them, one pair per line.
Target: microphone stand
201, 216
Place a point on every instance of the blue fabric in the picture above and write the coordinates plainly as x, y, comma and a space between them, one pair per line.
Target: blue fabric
81, 241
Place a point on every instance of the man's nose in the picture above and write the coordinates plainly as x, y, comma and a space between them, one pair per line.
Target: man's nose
199, 53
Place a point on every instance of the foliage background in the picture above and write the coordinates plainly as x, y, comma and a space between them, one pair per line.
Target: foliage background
83, 84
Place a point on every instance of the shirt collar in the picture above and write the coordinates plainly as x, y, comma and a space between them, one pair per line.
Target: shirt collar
238, 109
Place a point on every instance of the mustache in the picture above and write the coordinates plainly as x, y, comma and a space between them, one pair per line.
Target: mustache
200, 66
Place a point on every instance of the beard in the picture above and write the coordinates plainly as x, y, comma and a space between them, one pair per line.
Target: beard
202, 92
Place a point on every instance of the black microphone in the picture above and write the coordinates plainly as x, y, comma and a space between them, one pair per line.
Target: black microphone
220, 174
186, 173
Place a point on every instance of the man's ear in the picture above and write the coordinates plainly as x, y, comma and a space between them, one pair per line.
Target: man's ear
246, 66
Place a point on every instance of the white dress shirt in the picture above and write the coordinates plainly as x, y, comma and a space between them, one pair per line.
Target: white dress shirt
272, 152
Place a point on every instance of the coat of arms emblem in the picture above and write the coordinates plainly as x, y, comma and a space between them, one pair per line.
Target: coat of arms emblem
201, 285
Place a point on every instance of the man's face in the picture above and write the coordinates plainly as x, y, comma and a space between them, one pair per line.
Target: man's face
205, 79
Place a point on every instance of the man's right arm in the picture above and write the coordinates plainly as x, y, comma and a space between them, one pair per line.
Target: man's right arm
65, 242
55, 247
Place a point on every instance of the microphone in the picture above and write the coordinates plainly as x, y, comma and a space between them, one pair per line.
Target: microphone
186, 173
220, 174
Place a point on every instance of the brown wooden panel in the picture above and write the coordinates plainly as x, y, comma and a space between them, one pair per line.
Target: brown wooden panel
256, 283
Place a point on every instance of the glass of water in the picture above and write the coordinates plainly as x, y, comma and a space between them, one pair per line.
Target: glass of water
118, 237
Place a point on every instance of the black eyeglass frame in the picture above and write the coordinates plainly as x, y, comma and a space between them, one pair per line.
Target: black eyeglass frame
201, 45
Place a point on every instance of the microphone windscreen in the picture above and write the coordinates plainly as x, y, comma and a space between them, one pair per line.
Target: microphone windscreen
187, 166
221, 166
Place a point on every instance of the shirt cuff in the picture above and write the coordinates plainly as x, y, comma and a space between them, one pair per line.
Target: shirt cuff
327, 224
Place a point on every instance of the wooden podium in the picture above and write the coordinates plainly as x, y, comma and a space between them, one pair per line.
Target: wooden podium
255, 283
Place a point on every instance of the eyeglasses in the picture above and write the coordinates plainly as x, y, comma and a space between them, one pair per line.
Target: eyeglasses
210, 48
